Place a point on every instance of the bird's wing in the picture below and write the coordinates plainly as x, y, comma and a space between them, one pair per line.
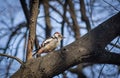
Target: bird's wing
46, 41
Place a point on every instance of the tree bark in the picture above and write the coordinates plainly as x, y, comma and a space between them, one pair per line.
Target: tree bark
87, 49
32, 28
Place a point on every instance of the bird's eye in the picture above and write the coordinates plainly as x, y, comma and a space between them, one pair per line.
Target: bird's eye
59, 35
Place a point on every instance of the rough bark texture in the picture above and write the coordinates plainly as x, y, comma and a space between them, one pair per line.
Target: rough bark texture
27, 16
32, 28
89, 48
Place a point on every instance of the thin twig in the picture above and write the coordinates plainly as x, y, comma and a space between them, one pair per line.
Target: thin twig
63, 21
111, 5
117, 46
17, 59
105, 64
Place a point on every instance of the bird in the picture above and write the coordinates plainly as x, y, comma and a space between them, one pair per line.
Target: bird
50, 44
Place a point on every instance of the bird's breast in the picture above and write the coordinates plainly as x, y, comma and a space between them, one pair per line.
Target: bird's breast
52, 45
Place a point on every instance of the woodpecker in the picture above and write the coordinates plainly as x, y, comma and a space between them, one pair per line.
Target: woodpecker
50, 44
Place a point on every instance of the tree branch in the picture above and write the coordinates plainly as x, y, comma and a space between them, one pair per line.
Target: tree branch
83, 14
32, 27
87, 49
63, 21
25, 9
17, 59
75, 27
16, 29
79, 71
57, 11
115, 45
47, 18
110, 4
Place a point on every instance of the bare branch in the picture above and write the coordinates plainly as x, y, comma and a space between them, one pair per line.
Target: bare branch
111, 5
115, 45
83, 14
27, 15
17, 59
32, 27
75, 27
79, 71
25, 9
65, 18
47, 18
17, 28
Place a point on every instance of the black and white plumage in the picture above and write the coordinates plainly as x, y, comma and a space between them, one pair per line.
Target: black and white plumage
50, 44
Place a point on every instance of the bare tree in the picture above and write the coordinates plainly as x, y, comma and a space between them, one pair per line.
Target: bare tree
97, 46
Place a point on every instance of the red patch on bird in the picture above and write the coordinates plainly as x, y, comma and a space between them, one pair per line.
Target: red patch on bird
57, 33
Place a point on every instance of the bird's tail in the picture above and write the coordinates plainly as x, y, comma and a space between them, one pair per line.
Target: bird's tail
38, 52
34, 54
37, 49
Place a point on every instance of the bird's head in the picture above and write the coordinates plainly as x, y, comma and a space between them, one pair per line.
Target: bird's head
58, 35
